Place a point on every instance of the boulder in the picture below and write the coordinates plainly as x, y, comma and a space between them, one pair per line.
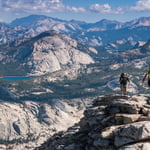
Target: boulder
111, 123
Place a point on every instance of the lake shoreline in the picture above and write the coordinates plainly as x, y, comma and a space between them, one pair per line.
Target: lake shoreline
13, 78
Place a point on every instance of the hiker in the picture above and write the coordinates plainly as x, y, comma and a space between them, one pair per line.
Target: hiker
147, 74
123, 83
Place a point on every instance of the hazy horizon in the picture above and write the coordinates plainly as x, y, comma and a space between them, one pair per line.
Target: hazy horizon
86, 10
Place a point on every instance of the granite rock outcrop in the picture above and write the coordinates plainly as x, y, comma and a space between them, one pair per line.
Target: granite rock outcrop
113, 122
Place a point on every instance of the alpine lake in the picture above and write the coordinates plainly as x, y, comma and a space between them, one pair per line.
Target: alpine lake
14, 78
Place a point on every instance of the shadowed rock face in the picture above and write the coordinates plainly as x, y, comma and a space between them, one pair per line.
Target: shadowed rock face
111, 123
6, 95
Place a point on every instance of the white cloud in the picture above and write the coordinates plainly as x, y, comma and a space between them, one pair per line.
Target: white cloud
105, 8
33, 6
47, 6
74, 9
141, 5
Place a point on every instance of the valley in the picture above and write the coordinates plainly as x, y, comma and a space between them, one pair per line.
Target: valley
51, 70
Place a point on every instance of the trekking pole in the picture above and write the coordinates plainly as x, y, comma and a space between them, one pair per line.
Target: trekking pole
131, 89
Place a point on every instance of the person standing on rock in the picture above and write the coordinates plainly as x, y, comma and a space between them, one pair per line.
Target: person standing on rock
147, 74
123, 83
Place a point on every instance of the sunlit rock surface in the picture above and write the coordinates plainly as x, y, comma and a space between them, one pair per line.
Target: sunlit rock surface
113, 122
28, 124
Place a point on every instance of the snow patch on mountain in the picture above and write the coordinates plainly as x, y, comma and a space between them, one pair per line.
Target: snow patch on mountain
116, 66
139, 63
93, 50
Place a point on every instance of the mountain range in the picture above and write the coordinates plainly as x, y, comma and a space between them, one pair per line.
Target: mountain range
67, 73
96, 34
58, 56
37, 21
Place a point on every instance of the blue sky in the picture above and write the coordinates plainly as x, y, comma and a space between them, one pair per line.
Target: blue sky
83, 10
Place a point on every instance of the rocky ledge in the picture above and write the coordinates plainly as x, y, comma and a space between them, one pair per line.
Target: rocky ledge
111, 123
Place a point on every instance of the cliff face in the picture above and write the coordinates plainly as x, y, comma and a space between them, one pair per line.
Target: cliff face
52, 53
111, 123
28, 124
47, 52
